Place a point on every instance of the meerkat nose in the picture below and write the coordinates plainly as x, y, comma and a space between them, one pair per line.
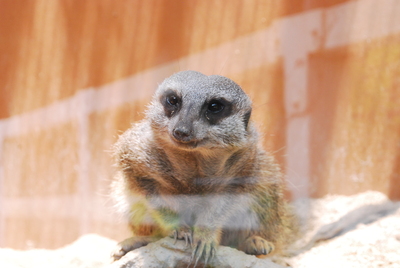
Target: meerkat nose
182, 134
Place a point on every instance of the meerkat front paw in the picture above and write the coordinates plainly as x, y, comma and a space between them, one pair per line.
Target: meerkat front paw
184, 232
256, 245
205, 244
130, 244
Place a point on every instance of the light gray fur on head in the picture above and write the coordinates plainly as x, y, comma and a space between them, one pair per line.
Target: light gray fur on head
195, 91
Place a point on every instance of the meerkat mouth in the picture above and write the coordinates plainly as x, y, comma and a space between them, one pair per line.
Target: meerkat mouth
185, 145
188, 145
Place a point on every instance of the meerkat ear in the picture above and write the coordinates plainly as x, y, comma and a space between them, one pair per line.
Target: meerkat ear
246, 119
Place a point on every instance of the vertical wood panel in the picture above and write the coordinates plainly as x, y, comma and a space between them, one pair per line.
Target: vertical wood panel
367, 121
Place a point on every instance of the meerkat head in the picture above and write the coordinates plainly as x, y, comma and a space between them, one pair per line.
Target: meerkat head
191, 110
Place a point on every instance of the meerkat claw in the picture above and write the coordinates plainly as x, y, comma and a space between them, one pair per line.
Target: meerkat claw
198, 252
206, 257
213, 253
193, 257
256, 245
188, 240
175, 234
202, 248
182, 233
130, 244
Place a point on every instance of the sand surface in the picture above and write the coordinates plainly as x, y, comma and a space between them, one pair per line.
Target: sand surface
376, 244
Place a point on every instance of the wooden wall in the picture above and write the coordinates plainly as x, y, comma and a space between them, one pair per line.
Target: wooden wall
324, 76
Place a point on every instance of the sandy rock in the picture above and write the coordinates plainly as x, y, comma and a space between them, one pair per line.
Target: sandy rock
164, 253
89, 251
368, 241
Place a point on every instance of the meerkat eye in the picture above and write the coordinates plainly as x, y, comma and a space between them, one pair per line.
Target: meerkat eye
215, 106
172, 100
217, 109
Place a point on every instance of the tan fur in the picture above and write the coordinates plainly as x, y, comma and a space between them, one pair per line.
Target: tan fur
199, 175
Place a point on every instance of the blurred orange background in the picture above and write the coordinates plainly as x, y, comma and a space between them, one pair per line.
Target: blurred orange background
324, 76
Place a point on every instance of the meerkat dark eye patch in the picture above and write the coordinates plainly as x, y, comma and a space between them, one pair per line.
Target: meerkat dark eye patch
215, 106
171, 102
217, 109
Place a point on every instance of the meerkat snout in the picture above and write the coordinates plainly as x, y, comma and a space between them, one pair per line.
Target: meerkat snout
182, 134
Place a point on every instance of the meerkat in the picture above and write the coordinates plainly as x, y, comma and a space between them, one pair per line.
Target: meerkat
193, 169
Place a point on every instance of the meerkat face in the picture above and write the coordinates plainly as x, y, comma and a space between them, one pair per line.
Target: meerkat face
192, 110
